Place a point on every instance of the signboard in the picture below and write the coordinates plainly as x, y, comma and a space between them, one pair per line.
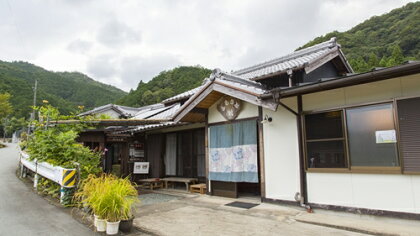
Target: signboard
229, 107
386, 136
141, 168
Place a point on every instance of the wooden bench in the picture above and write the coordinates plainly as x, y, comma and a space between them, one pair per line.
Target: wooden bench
198, 188
186, 181
151, 183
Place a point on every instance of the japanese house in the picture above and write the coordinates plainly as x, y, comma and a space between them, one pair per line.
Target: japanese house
325, 137
300, 129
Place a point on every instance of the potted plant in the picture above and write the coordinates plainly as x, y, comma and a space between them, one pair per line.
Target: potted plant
126, 223
112, 200
89, 196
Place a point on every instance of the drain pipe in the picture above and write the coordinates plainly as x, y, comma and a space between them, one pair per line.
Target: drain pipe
303, 183
301, 196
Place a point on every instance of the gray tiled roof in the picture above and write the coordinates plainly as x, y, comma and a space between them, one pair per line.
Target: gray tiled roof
122, 110
297, 59
141, 128
148, 113
182, 96
167, 114
238, 82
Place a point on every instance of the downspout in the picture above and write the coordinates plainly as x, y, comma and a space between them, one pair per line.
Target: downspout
302, 173
303, 195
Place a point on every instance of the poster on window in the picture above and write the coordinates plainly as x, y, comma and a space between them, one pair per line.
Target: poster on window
386, 136
141, 168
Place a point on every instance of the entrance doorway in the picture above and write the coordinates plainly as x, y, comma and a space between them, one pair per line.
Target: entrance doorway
234, 168
113, 157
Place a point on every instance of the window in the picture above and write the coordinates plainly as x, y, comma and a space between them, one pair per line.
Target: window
372, 136
365, 138
325, 142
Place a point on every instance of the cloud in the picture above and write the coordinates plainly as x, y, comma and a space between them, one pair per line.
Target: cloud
125, 42
79, 46
102, 66
115, 33
134, 69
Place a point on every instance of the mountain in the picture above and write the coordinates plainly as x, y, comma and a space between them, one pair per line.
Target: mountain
165, 85
65, 90
381, 41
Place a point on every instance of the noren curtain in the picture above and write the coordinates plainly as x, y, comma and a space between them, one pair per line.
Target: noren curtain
234, 152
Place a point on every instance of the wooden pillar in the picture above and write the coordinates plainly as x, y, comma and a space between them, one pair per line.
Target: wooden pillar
124, 159
261, 152
206, 147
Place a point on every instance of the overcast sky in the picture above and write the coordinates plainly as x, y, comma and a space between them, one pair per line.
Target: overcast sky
122, 42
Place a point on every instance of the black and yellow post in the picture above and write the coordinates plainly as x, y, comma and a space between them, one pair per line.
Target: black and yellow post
67, 183
69, 178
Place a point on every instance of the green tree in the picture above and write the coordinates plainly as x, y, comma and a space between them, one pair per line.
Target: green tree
165, 85
13, 124
393, 37
373, 60
5, 106
64, 90
383, 62
397, 55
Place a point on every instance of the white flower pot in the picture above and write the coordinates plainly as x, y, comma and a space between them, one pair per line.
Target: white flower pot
112, 227
100, 225
95, 220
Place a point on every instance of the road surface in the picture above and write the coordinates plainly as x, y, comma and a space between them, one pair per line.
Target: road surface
22, 212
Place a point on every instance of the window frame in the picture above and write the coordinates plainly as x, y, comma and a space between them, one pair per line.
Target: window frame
350, 168
343, 139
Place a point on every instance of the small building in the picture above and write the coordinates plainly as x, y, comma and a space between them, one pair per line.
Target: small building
114, 111
320, 137
301, 129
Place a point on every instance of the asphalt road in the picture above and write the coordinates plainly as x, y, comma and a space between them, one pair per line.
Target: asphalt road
22, 212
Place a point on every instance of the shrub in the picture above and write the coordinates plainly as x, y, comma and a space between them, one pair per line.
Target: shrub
109, 197
57, 144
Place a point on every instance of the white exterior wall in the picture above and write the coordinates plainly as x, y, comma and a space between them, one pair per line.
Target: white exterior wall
390, 192
393, 192
281, 153
248, 110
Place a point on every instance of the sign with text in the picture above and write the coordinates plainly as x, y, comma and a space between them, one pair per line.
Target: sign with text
386, 136
141, 168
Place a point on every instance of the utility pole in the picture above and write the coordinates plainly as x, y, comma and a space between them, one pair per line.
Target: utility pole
33, 108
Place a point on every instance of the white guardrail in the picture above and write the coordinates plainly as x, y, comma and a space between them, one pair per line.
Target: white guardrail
66, 178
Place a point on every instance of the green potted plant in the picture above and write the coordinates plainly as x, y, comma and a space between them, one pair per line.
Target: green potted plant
90, 195
126, 223
118, 199
111, 200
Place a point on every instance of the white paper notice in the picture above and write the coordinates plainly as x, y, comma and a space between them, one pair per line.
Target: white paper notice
386, 136
141, 168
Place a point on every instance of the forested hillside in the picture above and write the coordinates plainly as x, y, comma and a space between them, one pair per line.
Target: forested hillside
381, 41
62, 89
165, 85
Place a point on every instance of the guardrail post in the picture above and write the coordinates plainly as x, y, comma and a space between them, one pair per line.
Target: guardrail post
22, 170
36, 177
36, 181
67, 183
62, 195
